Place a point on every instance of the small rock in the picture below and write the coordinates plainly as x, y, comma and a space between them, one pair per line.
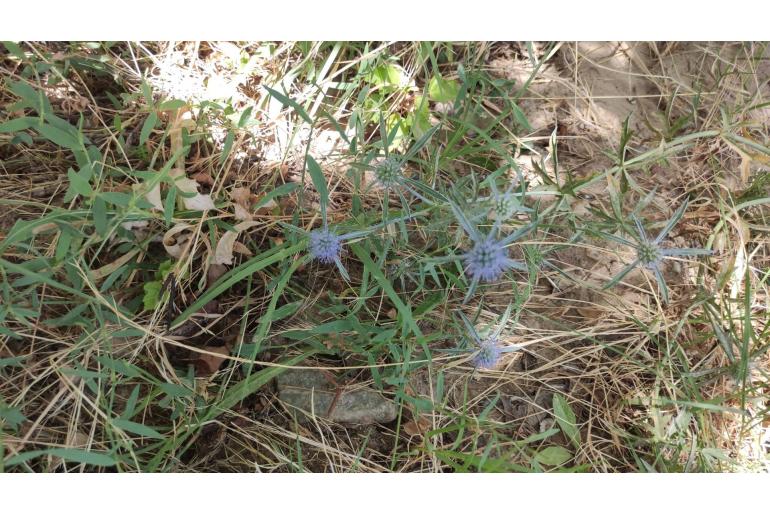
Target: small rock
313, 392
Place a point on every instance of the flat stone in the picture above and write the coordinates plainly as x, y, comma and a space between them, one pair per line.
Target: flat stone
312, 392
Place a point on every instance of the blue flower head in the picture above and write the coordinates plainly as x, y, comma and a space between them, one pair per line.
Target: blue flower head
488, 350
325, 246
487, 260
488, 353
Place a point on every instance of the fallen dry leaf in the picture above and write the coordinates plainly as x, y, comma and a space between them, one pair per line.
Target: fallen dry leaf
207, 364
107, 269
176, 239
240, 248
417, 427
203, 178
243, 199
241, 213
152, 196
139, 224
224, 251
242, 196
267, 207
198, 202
50, 226
215, 271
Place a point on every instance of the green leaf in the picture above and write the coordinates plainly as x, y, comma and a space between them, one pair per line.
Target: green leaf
283, 189
172, 105
11, 362
79, 184
147, 127
443, 90
283, 311
75, 455
252, 383
386, 75
245, 117
228, 146
99, 210
60, 137
11, 416
21, 269
175, 390
566, 419
32, 97
237, 274
22, 137
120, 366
146, 93
14, 49
169, 204
136, 428
362, 251
70, 318
554, 456
520, 117
291, 103
319, 181
19, 124
151, 294
116, 198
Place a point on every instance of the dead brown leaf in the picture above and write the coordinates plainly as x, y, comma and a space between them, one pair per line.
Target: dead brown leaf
242, 196
203, 178
418, 426
207, 364
224, 251
241, 213
240, 248
176, 239
215, 272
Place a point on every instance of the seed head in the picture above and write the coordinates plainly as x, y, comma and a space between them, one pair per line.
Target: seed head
649, 254
388, 172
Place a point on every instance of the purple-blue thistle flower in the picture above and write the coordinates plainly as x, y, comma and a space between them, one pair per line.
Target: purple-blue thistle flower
487, 260
325, 246
488, 350
488, 353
